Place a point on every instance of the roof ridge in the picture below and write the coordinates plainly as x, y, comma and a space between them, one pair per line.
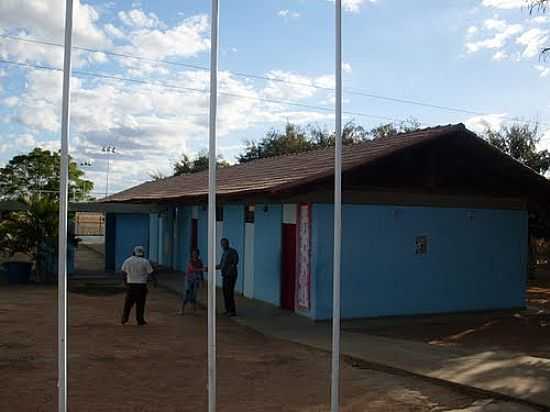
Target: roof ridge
365, 142
269, 165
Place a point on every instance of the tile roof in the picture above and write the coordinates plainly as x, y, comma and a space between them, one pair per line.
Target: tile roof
273, 174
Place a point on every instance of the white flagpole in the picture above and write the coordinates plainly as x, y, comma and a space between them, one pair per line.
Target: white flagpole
63, 203
212, 208
335, 384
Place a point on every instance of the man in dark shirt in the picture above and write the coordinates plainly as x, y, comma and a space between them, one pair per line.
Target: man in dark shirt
228, 267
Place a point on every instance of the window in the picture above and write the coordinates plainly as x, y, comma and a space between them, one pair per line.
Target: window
422, 245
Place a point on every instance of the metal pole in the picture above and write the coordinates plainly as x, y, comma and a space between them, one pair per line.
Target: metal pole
212, 208
108, 171
335, 384
63, 194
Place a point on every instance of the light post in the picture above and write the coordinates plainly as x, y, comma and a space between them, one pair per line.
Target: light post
108, 149
84, 163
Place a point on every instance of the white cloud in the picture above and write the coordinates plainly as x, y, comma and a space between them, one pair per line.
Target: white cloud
533, 40
45, 19
18, 143
149, 124
10, 102
25, 140
136, 18
544, 71
292, 86
114, 31
500, 33
346, 68
354, 6
504, 4
286, 13
187, 39
97, 57
495, 24
479, 124
500, 55
509, 40
472, 30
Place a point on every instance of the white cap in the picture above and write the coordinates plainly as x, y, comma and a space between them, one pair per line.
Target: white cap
139, 251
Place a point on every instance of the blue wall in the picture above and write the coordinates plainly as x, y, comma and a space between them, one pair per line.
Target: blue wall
110, 242
267, 253
154, 237
202, 233
476, 260
233, 229
167, 237
183, 247
131, 230
202, 230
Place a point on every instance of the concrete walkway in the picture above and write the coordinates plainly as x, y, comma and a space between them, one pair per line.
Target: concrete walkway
504, 374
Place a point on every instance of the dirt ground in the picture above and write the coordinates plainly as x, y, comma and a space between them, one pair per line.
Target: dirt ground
526, 331
163, 366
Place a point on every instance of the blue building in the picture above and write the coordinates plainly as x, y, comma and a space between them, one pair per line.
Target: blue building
434, 221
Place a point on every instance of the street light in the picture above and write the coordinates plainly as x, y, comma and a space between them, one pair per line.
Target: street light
108, 149
84, 163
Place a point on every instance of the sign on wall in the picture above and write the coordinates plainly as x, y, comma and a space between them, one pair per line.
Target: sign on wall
303, 278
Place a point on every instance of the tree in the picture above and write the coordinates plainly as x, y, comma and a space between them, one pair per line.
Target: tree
296, 139
274, 143
157, 175
392, 129
32, 231
537, 5
186, 165
38, 172
520, 142
540, 6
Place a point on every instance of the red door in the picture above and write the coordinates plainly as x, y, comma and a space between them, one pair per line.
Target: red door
288, 275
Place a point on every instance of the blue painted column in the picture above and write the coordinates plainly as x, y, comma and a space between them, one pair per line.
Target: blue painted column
233, 230
267, 253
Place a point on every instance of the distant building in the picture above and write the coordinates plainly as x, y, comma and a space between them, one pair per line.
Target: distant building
433, 221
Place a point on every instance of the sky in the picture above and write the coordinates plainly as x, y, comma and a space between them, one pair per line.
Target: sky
140, 73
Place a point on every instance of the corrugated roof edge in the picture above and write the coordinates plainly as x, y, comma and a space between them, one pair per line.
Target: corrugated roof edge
446, 130
442, 130
508, 157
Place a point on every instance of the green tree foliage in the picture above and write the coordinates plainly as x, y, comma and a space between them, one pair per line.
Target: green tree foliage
186, 165
520, 142
296, 139
38, 172
157, 175
32, 232
293, 140
393, 129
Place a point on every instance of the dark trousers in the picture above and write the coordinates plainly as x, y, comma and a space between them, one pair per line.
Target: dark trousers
135, 294
229, 293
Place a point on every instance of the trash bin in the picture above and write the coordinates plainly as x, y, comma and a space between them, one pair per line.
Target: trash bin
18, 272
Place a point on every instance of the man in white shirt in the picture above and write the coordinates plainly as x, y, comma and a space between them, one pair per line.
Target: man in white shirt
136, 271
